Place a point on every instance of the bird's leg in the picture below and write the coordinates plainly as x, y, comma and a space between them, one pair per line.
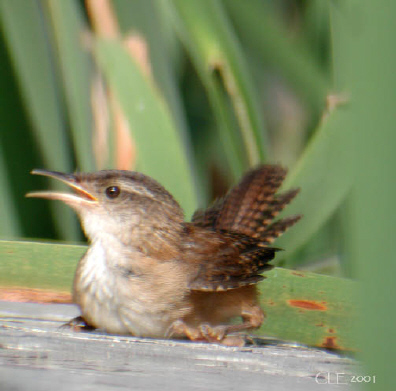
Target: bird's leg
77, 324
253, 317
205, 333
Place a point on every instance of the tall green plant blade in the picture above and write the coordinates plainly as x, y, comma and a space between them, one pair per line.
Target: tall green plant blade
68, 31
160, 148
364, 40
9, 226
28, 46
304, 307
205, 30
316, 30
148, 19
25, 34
270, 41
325, 174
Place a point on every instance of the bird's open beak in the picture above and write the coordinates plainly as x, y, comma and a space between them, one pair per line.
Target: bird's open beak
81, 196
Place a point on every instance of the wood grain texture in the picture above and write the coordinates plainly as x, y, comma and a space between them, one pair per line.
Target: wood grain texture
36, 355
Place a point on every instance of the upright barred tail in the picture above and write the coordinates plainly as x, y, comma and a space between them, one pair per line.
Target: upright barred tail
251, 206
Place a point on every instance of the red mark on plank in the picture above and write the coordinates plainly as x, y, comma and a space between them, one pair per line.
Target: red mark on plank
308, 305
298, 274
329, 343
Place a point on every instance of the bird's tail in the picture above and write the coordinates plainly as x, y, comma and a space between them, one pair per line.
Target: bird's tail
252, 206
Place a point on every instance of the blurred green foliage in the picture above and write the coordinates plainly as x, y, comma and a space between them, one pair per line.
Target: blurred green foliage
205, 90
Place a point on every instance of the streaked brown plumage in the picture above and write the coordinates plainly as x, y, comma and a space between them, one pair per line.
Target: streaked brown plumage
150, 273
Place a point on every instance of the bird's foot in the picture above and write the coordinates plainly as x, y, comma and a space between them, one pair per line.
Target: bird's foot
77, 324
206, 333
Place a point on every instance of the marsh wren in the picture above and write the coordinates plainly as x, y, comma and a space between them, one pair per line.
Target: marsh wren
149, 273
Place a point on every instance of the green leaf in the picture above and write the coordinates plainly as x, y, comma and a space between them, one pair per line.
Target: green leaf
363, 39
265, 35
304, 307
325, 174
149, 19
27, 43
26, 37
68, 32
214, 49
9, 226
161, 152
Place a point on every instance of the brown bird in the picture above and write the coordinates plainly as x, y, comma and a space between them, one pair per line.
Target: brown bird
149, 273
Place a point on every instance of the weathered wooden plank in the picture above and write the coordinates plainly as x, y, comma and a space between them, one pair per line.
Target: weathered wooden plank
36, 355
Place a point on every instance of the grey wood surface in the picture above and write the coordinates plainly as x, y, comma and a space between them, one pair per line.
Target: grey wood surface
36, 355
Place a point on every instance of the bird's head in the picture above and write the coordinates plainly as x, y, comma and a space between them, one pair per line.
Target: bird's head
111, 201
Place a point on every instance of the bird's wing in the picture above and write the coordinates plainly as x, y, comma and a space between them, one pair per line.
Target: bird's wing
224, 261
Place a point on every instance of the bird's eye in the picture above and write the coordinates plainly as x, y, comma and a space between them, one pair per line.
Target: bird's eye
113, 192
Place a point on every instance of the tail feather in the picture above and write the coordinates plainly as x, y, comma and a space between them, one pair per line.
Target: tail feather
244, 220
251, 206
277, 228
207, 217
250, 197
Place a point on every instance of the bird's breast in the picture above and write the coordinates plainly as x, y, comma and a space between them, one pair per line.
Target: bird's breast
113, 297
